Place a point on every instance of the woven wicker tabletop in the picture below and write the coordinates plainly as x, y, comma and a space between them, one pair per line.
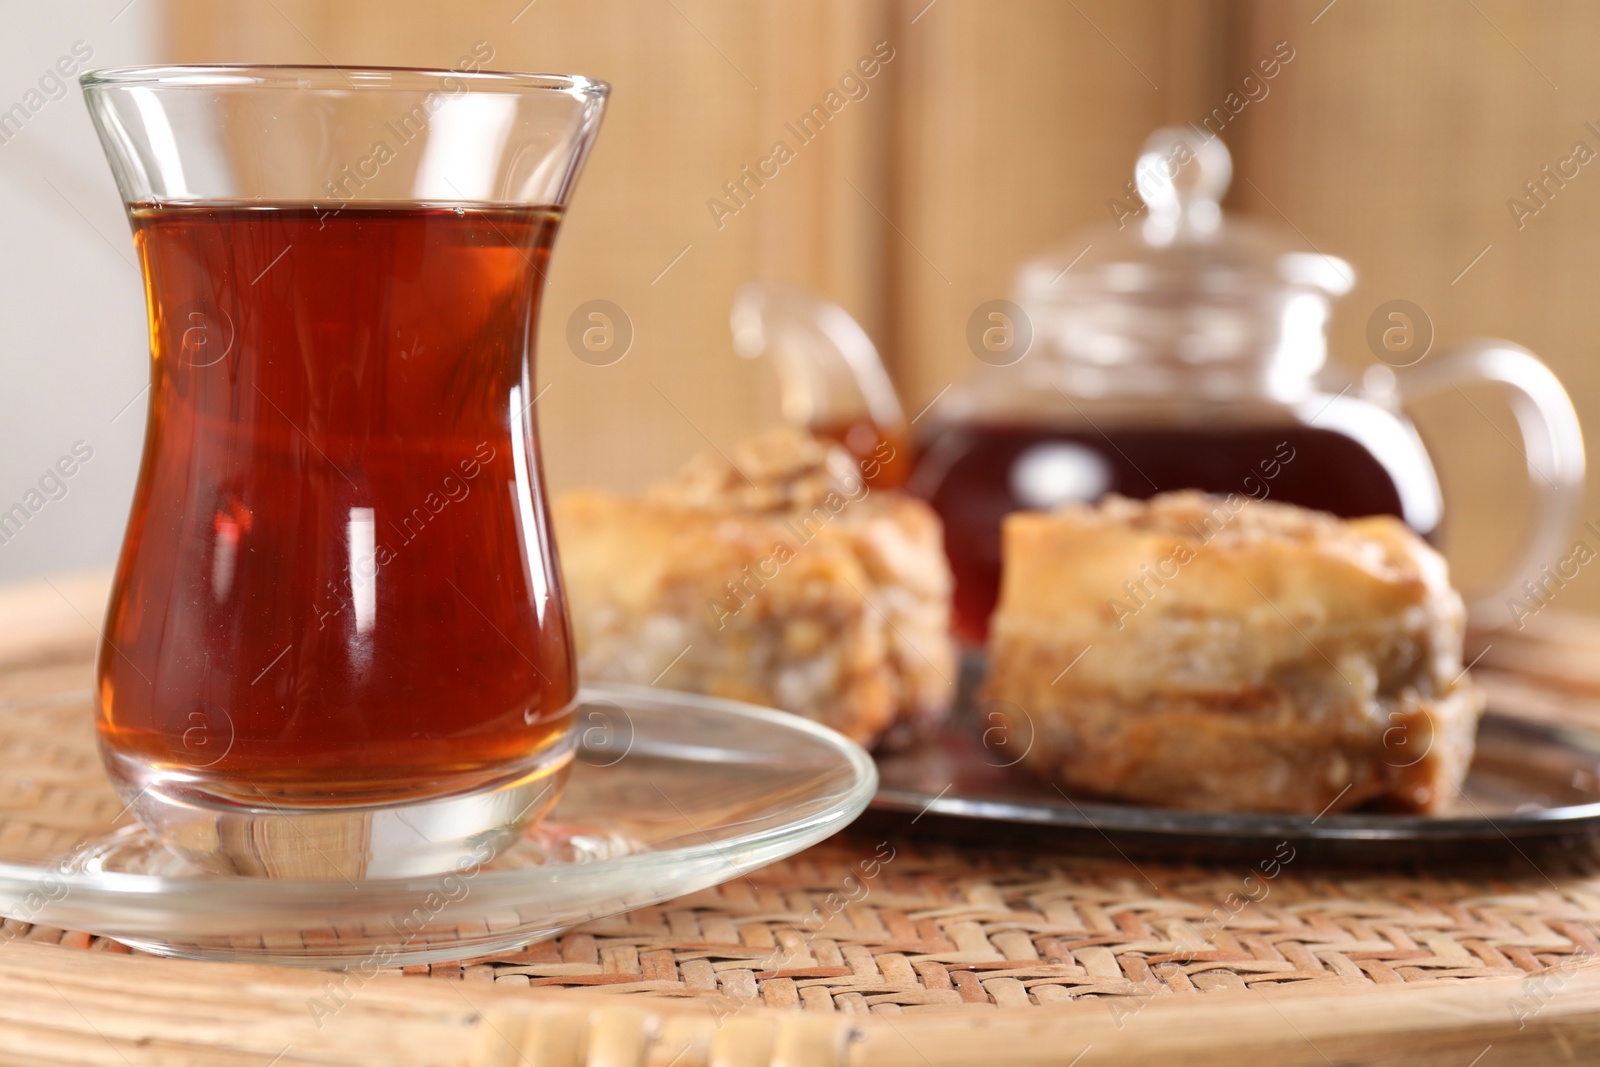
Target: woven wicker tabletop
886, 945
944, 929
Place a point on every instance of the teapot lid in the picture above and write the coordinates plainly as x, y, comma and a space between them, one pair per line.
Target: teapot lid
1182, 250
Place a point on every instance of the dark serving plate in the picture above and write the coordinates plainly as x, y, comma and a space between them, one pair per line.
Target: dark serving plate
1531, 790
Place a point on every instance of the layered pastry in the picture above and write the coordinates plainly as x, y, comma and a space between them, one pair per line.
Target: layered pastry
773, 575
1222, 654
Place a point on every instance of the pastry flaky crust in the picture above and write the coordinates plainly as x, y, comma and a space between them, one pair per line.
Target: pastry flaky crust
774, 576
1223, 654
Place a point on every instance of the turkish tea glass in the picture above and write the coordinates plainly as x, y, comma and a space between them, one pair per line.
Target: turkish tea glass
336, 644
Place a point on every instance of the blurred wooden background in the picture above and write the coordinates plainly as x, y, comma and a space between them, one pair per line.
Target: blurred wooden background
1394, 138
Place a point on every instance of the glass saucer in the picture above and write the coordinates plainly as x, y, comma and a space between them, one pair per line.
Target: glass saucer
670, 793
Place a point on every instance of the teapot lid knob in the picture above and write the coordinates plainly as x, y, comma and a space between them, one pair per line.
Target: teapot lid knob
1183, 177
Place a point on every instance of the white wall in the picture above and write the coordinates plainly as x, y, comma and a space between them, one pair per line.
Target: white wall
73, 348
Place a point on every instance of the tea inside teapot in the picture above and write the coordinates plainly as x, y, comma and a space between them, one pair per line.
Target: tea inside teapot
974, 473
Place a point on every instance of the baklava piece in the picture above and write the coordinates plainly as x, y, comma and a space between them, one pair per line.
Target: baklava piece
774, 576
1223, 654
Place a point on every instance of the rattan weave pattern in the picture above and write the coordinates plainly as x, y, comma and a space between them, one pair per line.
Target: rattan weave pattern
943, 928
859, 924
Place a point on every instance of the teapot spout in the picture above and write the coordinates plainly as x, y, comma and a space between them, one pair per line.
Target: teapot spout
831, 380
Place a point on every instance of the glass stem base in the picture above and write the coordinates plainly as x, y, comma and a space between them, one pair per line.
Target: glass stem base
404, 839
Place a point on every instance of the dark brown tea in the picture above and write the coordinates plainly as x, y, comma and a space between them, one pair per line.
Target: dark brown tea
338, 581
974, 475
884, 455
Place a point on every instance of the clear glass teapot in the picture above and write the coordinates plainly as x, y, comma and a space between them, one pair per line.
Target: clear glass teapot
1179, 349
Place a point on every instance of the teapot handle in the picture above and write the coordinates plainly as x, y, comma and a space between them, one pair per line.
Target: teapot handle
1552, 445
